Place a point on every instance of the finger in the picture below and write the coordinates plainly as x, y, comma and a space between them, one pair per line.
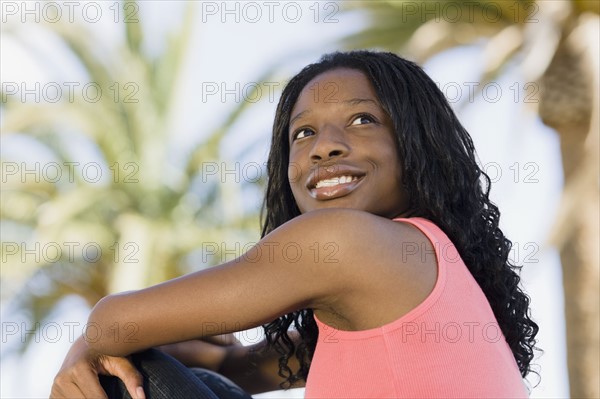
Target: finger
88, 383
77, 383
64, 391
122, 368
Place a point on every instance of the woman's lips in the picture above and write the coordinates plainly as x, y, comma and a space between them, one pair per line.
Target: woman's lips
339, 190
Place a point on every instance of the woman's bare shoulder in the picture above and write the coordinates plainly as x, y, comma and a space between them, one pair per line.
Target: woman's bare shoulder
387, 267
349, 225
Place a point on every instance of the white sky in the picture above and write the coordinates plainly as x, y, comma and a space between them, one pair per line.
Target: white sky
508, 139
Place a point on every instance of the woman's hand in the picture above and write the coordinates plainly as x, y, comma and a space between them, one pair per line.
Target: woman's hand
208, 352
78, 376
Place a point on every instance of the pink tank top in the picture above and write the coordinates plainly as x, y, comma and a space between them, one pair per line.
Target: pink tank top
449, 346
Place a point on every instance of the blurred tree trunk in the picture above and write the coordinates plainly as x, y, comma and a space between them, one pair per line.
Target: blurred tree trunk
569, 104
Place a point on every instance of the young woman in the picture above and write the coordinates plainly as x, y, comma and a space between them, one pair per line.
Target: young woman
380, 246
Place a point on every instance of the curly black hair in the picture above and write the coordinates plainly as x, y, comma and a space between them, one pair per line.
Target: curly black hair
447, 186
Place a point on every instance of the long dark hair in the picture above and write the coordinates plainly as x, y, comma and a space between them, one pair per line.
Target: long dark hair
446, 185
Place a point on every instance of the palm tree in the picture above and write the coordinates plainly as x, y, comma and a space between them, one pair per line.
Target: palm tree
142, 221
555, 44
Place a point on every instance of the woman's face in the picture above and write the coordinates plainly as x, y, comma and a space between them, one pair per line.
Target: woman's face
342, 148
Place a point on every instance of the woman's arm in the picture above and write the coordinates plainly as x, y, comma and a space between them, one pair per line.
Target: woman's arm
287, 270
255, 370
344, 254
349, 266
251, 369
78, 375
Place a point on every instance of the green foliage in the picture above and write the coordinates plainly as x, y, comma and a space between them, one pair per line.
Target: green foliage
420, 30
149, 216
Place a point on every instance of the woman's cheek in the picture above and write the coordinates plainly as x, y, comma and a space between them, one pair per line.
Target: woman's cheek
294, 173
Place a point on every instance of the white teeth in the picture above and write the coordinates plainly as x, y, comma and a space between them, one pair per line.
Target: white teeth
335, 181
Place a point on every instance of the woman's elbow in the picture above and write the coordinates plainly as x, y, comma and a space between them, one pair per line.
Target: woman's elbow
103, 332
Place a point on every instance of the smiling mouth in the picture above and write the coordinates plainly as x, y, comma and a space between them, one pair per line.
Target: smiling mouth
335, 187
335, 181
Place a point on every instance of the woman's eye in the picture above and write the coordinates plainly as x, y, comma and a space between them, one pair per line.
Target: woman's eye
363, 119
302, 133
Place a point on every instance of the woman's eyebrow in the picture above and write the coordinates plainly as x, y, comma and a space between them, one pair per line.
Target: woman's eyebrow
352, 101
356, 101
300, 115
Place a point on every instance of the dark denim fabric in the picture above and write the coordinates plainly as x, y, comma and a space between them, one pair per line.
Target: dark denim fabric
167, 378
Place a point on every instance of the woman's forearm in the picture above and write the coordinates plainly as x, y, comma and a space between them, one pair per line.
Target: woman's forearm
254, 370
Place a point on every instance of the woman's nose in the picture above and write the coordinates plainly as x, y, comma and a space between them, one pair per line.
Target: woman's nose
329, 142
